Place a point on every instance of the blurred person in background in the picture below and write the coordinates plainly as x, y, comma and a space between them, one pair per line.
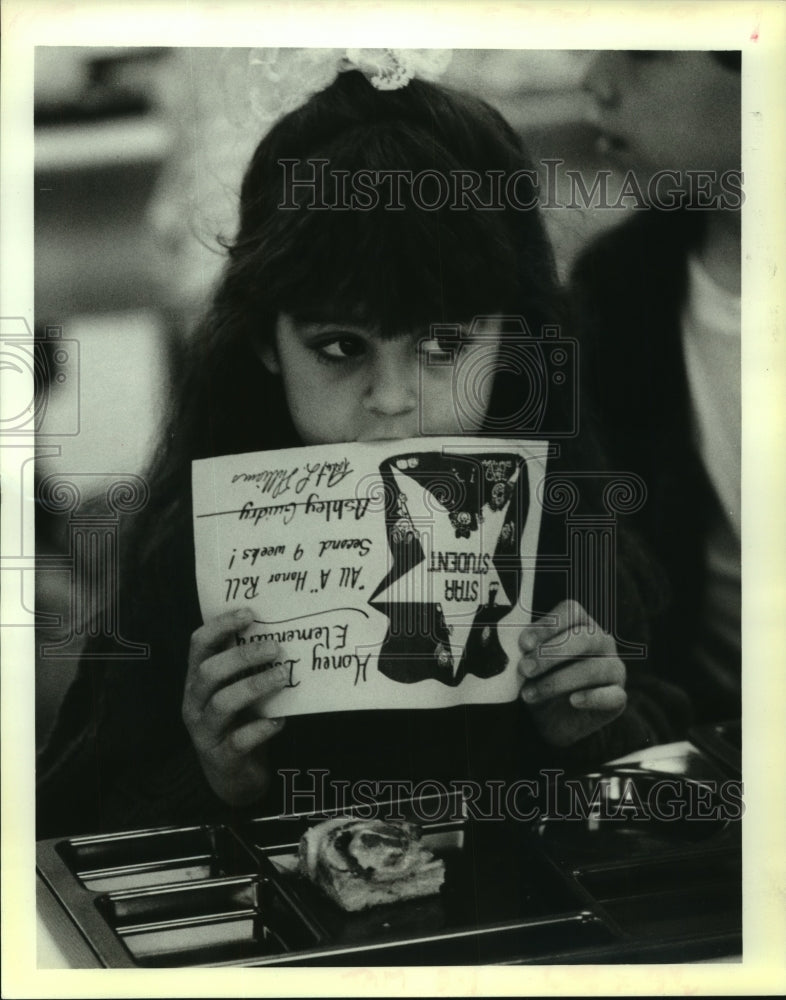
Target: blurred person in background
658, 305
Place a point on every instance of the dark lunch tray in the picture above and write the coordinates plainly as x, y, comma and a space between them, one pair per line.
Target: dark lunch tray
544, 891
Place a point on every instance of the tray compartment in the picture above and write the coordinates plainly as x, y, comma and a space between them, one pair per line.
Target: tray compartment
492, 876
664, 897
715, 908
206, 923
154, 857
513, 943
621, 881
179, 901
619, 815
655, 874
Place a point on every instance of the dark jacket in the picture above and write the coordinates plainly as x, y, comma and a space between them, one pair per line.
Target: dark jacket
629, 288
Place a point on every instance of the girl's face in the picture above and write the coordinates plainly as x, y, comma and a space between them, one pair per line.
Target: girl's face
345, 383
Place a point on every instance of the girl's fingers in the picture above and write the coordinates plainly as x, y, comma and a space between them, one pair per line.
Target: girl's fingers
568, 615
213, 636
575, 677
247, 738
611, 698
226, 703
209, 676
591, 642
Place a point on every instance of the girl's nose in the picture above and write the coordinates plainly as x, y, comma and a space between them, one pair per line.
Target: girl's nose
392, 389
601, 81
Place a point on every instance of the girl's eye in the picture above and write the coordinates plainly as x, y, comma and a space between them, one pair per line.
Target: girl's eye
339, 349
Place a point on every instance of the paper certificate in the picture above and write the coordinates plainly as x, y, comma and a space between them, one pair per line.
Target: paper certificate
391, 575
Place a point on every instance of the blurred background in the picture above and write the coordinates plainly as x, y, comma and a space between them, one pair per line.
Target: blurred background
138, 159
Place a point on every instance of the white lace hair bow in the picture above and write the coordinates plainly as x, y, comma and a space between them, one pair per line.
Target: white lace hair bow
280, 80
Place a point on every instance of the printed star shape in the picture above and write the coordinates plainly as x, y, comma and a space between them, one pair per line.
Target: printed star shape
419, 585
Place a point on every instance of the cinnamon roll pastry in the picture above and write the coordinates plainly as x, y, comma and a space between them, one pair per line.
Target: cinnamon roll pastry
360, 863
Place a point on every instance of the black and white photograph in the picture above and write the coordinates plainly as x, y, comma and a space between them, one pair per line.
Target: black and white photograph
383, 457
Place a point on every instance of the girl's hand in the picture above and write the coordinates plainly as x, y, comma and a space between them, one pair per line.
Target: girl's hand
574, 681
223, 707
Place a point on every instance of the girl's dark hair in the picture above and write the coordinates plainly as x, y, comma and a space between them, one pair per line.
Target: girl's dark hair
399, 270
396, 269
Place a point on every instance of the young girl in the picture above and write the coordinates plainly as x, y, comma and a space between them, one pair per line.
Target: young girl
315, 336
